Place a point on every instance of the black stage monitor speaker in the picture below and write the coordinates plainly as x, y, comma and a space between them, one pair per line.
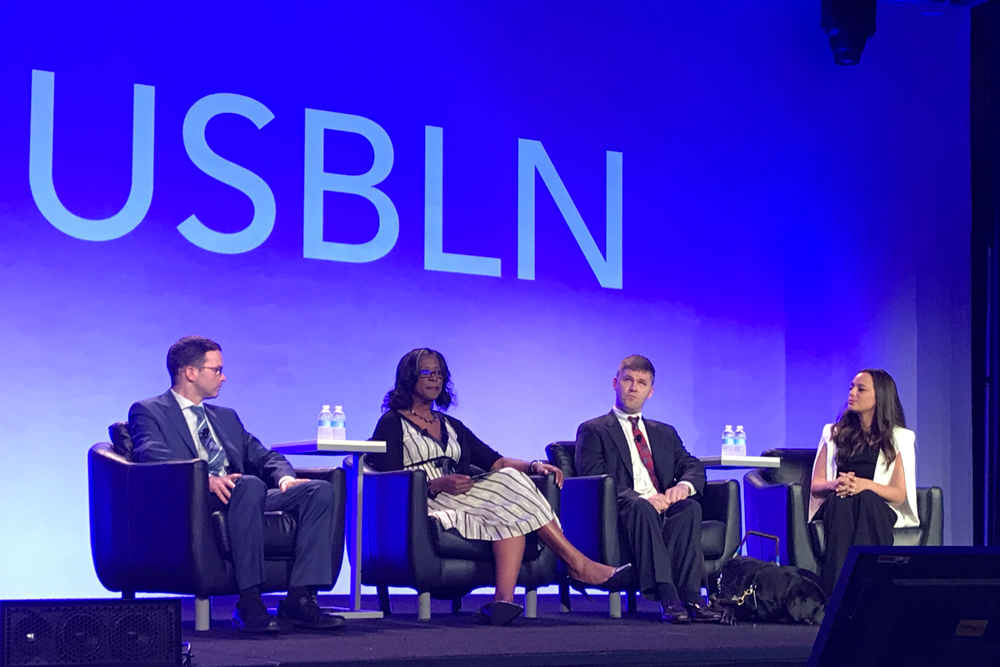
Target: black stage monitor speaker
90, 632
920, 606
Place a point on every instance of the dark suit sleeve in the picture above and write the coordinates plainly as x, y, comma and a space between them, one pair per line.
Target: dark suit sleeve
263, 462
390, 430
148, 441
687, 468
481, 455
592, 452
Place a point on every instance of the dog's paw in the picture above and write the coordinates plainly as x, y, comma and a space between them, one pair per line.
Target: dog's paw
728, 616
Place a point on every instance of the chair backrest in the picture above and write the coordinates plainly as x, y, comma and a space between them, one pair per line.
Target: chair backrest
121, 440
796, 467
562, 455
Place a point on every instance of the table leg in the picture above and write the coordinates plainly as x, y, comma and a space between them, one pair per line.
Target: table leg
359, 471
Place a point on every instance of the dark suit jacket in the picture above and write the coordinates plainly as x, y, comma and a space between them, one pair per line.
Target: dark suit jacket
601, 449
160, 433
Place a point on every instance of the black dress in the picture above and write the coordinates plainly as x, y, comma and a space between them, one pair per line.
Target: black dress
864, 519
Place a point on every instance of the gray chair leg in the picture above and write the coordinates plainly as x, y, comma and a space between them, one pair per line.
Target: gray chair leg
632, 608
202, 614
383, 601
456, 606
615, 604
424, 606
564, 598
531, 603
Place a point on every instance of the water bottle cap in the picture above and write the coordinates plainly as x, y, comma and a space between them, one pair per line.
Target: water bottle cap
729, 426
326, 408
337, 408
739, 428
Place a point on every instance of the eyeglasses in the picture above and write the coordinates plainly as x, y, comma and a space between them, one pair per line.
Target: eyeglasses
430, 374
215, 369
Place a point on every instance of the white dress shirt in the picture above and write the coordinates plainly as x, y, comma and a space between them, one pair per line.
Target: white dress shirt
642, 482
192, 421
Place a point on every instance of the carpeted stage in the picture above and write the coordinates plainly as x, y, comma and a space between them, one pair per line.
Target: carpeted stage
584, 637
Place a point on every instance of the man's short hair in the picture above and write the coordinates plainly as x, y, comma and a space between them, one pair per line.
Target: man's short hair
188, 351
637, 362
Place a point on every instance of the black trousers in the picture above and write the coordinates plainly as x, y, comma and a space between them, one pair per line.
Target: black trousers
664, 548
862, 520
312, 502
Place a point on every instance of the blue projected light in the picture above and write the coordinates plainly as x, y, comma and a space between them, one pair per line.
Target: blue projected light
533, 191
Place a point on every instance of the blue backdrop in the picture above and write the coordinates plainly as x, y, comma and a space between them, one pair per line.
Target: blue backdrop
535, 189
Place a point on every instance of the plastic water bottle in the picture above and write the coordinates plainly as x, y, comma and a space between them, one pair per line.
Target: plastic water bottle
325, 431
741, 441
339, 424
728, 441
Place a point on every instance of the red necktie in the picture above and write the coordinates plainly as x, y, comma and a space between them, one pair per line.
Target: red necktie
645, 455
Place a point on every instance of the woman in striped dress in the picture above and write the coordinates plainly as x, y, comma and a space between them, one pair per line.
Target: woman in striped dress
502, 506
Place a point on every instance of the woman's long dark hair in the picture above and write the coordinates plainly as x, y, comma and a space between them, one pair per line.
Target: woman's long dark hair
400, 397
849, 435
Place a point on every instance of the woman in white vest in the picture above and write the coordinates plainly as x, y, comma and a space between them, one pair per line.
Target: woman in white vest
864, 476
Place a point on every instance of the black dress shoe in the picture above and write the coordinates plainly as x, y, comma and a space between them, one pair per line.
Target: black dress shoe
254, 619
614, 583
674, 613
701, 613
498, 613
305, 613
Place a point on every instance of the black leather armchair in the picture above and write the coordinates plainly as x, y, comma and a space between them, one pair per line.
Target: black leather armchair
151, 531
403, 546
592, 525
778, 503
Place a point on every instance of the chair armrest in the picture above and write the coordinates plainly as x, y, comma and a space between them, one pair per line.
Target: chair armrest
150, 527
778, 509
327, 474
395, 532
547, 486
589, 517
720, 501
930, 511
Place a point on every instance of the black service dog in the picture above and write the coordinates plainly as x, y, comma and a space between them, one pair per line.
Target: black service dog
755, 591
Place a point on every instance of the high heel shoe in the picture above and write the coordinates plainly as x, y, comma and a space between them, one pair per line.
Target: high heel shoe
614, 583
498, 613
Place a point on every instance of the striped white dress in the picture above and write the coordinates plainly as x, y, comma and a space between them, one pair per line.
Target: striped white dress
501, 504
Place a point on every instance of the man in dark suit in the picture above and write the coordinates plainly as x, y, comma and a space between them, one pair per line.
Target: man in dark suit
178, 425
659, 522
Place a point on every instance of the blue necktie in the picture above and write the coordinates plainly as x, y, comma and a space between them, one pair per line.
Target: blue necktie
216, 457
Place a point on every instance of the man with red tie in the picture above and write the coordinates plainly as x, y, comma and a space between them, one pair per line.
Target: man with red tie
656, 478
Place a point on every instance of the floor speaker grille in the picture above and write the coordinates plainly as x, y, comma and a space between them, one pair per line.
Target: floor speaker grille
90, 632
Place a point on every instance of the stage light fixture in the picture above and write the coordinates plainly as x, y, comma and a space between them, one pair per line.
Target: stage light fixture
849, 24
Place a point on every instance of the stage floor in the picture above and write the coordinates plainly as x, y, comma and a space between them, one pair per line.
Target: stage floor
584, 637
